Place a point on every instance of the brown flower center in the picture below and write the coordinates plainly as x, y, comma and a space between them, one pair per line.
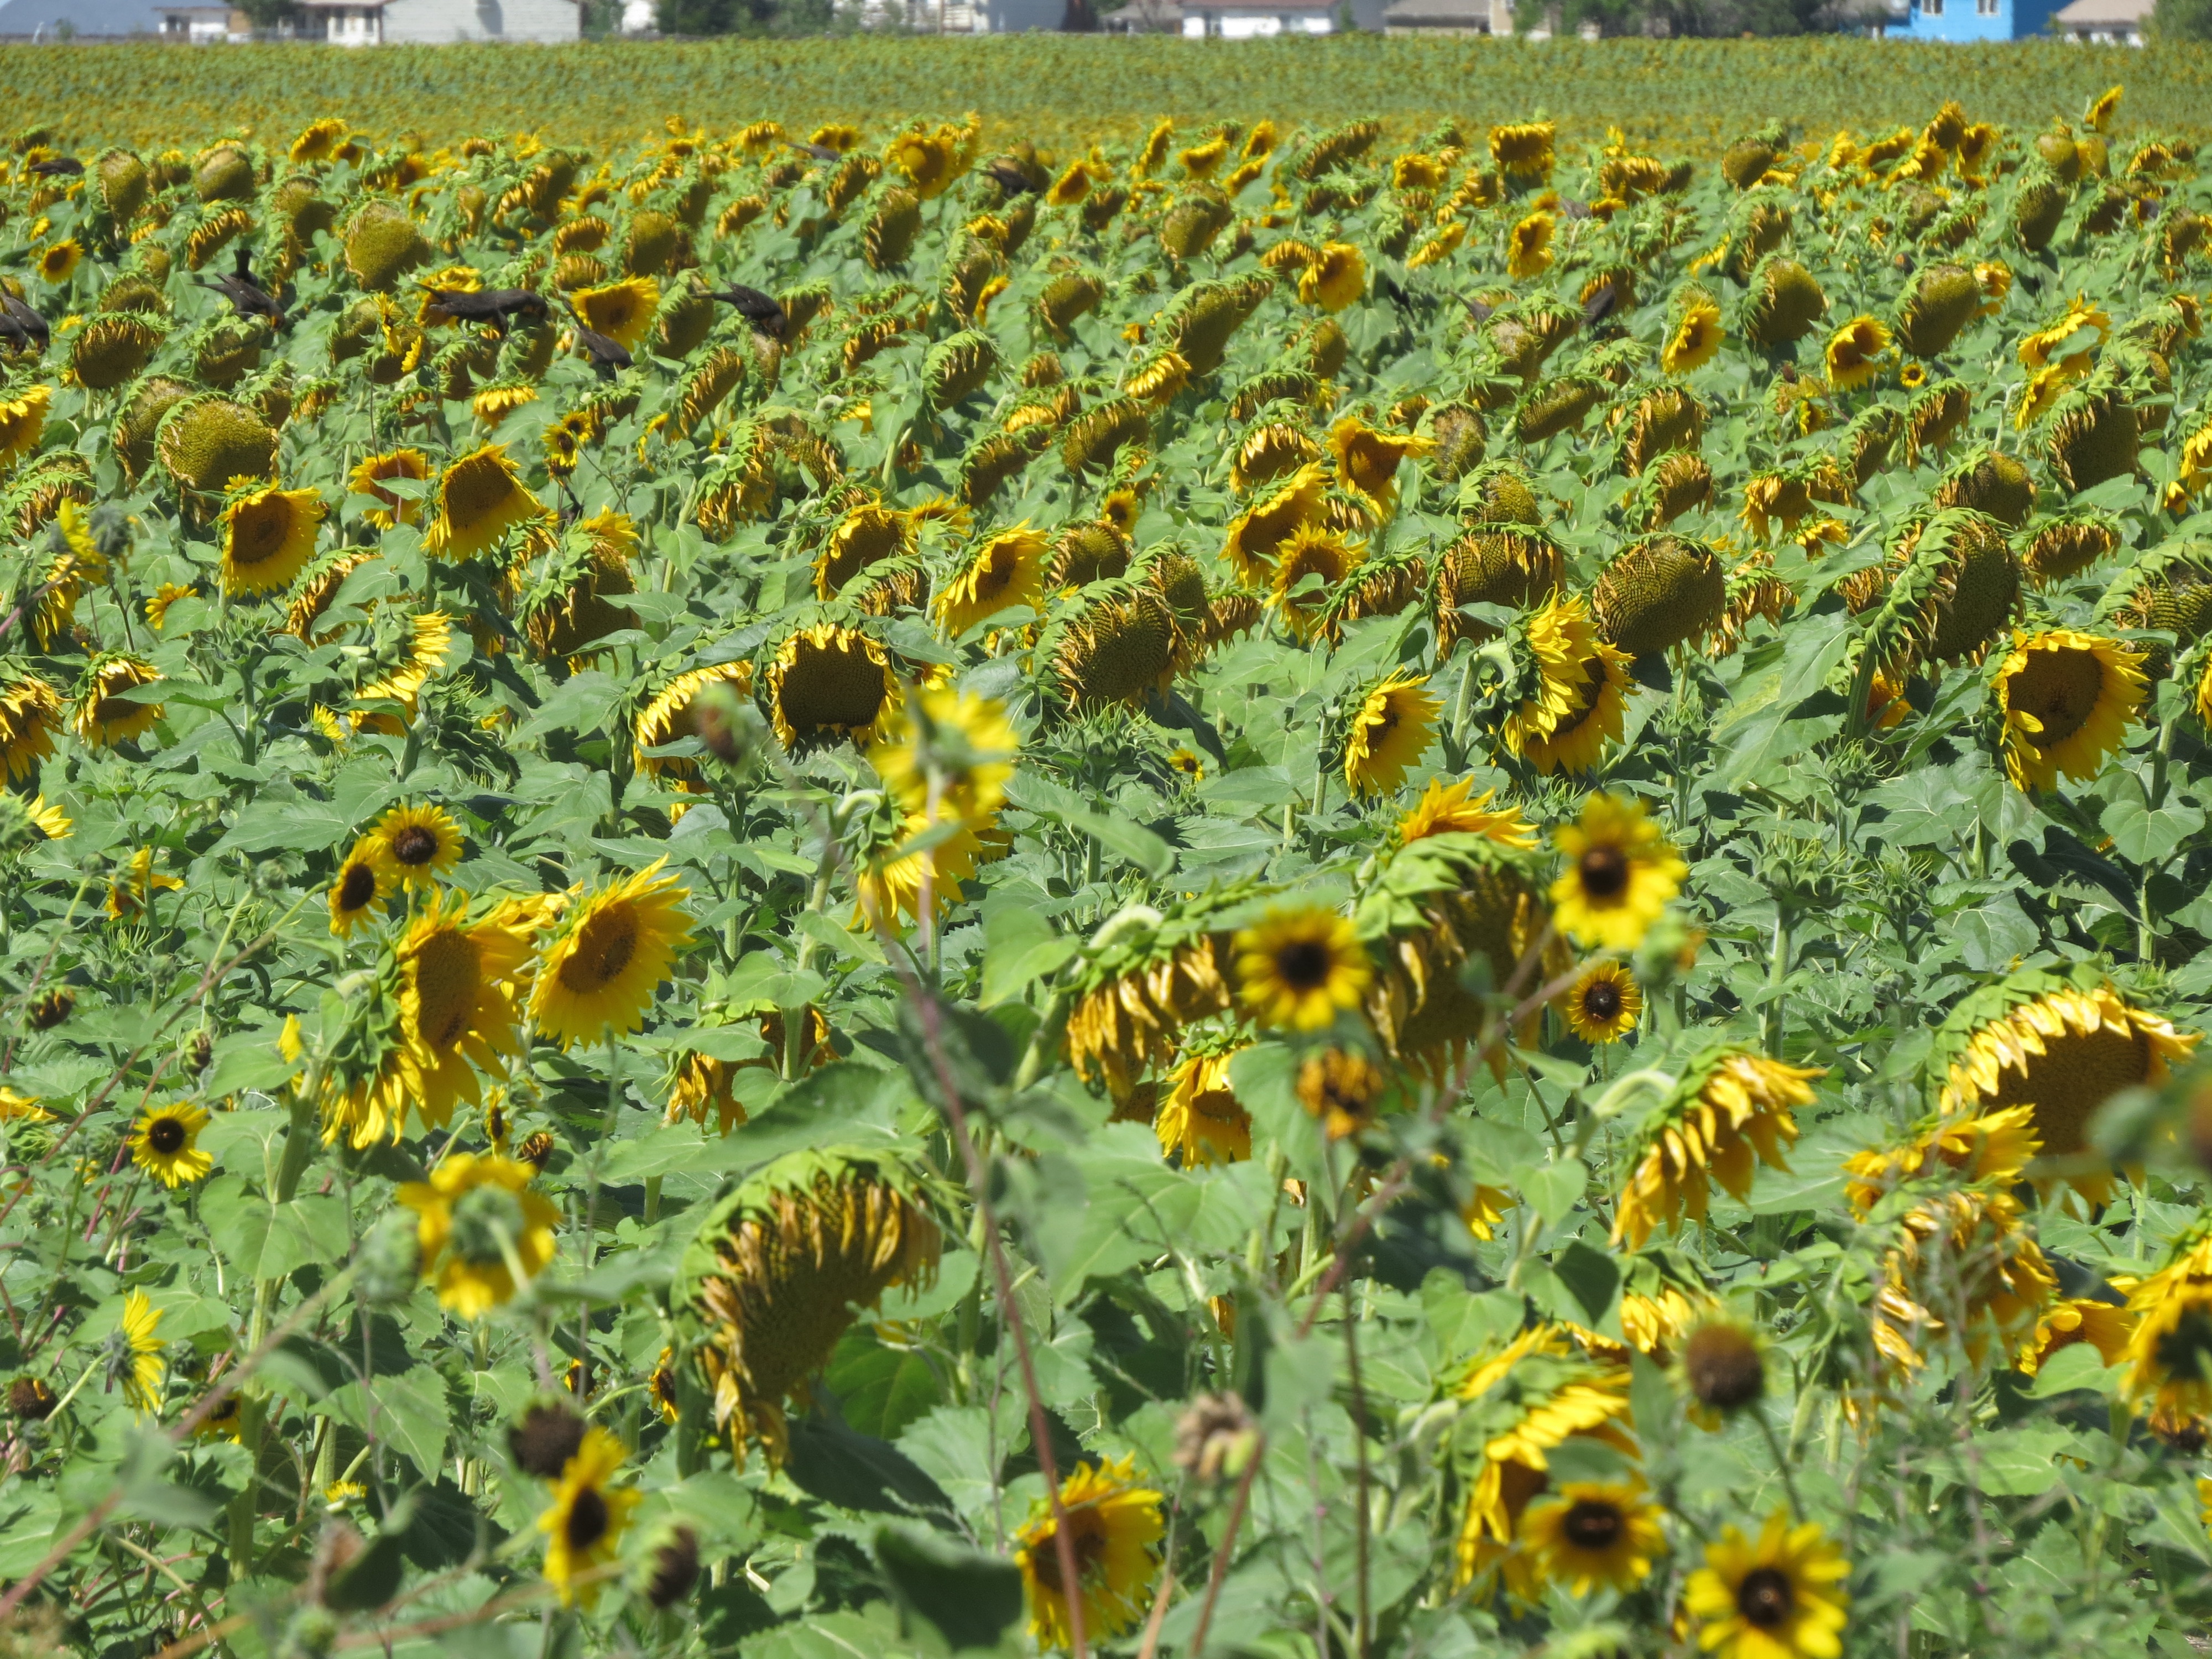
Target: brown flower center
1593, 1524
166, 1135
1603, 873
1764, 1598
415, 846
1723, 1367
587, 1519
1602, 1001
603, 947
356, 887
1087, 1536
1304, 965
2060, 689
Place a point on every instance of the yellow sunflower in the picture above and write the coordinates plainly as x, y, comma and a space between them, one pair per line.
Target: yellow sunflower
1603, 1004
166, 1144
1619, 875
268, 536
1258, 535
142, 1381
1300, 968
1729, 1106
1114, 1524
1777, 1597
1453, 809
1341, 1088
59, 263
2169, 1353
2105, 1326
1589, 1533
828, 682
1390, 731
101, 716
1200, 1119
621, 311
1336, 278
1529, 246
415, 845
456, 1010
584, 1525
614, 948
674, 714
477, 1222
137, 881
1368, 459
1309, 550
479, 498
1855, 352
1594, 677
1696, 337
367, 478
960, 743
22, 419
2068, 699
1007, 570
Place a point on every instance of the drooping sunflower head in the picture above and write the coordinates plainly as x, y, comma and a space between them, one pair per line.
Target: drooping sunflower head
1528, 245
369, 475
1730, 1108
1659, 593
770, 1278
1942, 300
1454, 809
1114, 1527
1342, 1088
2067, 544
1368, 459
415, 845
382, 245
1200, 1121
1257, 535
203, 443
1310, 561
1693, 331
828, 682
599, 972
1301, 968
1005, 571
480, 496
1523, 150
1117, 645
1783, 303
363, 880
101, 715
1388, 733
2066, 699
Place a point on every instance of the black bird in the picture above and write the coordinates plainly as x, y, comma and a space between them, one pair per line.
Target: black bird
1477, 310
57, 164
607, 355
1006, 173
819, 152
1603, 301
20, 327
247, 297
497, 305
757, 308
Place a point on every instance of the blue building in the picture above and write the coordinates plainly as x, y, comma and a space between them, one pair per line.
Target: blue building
1974, 20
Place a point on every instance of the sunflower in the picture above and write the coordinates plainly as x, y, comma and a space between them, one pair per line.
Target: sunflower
1336, 278
828, 682
621, 311
1144, 983
774, 1273
584, 1525
479, 498
1728, 1104
1589, 1533
1529, 246
2105, 1326
1391, 729
1855, 352
660, 1386
137, 881
138, 1360
162, 598
951, 752
477, 1222
2068, 699
1580, 698
672, 715
1696, 336
416, 847
1603, 1004
428, 635
1003, 573
1619, 875
1776, 1598
2072, 340
59, 263
165, 1144
615, 947
1367, 460
30, 713
1113, 1525
1340, 1088
1311, 550
2062, 1046
890, 884
1301, 968
22, 421
1200, 1120
268, 536
455, 1001
1447, 810
101, 716
1258, 535
2169, 1354
392, 507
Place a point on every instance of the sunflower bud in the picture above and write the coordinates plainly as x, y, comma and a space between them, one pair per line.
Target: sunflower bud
1720, 1361
675, 1569
1215, 1436
390, 1259
545, 1439
313, 1633
30, 1398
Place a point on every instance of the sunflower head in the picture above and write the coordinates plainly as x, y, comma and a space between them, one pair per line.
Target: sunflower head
1778, 1597
1730, 1108
1619, 875
1659, 593
479, 496
1693, 331
481, 1230
165, 1144
1388, 733
1603, 1004
588, 1517
2066, 699
599, 972
1342, 1088
415, 846
1114, 1527
1588, 1533
828, 682
1301, 968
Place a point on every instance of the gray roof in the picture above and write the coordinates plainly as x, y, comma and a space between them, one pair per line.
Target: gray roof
2105, 14
1437, 14
26, 17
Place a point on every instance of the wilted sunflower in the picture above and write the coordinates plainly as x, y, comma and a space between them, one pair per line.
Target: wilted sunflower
1114, 1524
1855, 353
2107, 1327
1391, 729
480, 496
268, 536
1529, 246
828, 682
621, 311
1301, 968
1147, 977
1695, 336
138, 1360
890, 883
1621, 874
1367, 460
416, 846
671, 717
1200, 1120
1777, 1597
1728, 1104
771, 1277
1336, 278
30, 713
1258, 535
1588, 1533
598, 974
22, 418
477, 1222
1603, 1004
1454, 809
165, 1144
1005, 571
2067, 699
101, 716
583, 1525
2169, 1354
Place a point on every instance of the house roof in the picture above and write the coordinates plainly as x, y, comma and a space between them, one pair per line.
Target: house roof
1264, 8
1437, 14
2092, 14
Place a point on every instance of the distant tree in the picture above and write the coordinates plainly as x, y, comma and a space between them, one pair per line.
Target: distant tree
2182, 19
1081, 17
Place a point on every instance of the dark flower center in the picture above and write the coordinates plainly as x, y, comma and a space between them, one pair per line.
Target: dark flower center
1764, 1598
1603, 871
1593, 1524
415, 845
1304, 965
1602, 1001
545, 1439
587, 1519
166, 1135
1724, 1369
356, 887
1088, 1537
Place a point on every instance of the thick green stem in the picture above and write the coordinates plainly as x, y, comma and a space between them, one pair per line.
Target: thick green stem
1778, 973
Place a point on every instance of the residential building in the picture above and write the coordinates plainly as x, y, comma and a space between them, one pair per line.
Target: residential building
1448, 17
1973, 20
203, 26
1252, 20
2107, 23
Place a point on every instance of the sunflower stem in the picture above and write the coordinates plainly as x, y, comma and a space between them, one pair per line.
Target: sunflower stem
1777, 971
1781, 1465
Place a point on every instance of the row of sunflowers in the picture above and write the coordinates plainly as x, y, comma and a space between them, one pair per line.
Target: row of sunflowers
803, 888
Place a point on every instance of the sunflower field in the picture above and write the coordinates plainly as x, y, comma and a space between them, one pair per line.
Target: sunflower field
839, 891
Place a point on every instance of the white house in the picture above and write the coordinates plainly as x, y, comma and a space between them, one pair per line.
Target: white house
200, 25
2106, 22
1448, 17
1252, 20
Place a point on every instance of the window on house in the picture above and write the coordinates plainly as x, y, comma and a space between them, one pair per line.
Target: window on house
1985, 7
1931, 8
